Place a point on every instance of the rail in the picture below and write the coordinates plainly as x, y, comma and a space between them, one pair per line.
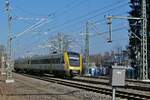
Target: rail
99, 88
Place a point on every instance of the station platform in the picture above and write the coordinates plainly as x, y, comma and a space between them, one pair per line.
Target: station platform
25, 88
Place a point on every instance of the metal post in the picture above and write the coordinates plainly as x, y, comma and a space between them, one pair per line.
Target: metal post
60, 42
144, 67
65, 42
9, 61
110, 29
87, 44
3, 64
113, 93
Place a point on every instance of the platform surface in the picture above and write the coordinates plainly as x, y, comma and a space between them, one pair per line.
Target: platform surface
26, 88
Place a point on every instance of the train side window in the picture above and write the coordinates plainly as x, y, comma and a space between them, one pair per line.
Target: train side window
55, 61
45, 61
50, 61
34, 61
28, 61
62, 60
42, 61
58, 60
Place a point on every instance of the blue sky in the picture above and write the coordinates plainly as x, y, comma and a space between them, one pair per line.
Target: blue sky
68, 17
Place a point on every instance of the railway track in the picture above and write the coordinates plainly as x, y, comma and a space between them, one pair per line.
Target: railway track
104, 89
130, 84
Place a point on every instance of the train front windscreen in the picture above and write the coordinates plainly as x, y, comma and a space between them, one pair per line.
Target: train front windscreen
74, 59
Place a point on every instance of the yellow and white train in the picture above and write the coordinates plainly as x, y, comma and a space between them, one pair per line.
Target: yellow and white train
65, 64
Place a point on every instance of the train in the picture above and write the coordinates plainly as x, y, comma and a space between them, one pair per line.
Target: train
68, 64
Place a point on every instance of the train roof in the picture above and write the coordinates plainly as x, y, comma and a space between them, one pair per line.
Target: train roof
53, 55
40, 57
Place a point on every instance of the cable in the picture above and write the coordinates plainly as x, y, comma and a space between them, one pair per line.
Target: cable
37, 14
100, 22
104, 32
66, 6
95, 31
74, 19
70, 7
88, 13
79, 18
30, 28
114, 30
27, 12
117, 29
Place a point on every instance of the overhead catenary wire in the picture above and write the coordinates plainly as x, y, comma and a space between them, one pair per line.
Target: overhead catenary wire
97, 10
22, 10
104, 32
86, 15
70, 6
58, 11
35, 26
114, 30
76, 20
97, 34
81, 17
100, 9
100, 33
91, 12
30, 28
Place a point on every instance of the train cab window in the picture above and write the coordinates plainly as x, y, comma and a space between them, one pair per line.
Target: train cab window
74, 59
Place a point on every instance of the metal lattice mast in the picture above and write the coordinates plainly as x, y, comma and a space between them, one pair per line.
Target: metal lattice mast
3, 71
60, 42
9, 61
144, 68
87, 44
144, 61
